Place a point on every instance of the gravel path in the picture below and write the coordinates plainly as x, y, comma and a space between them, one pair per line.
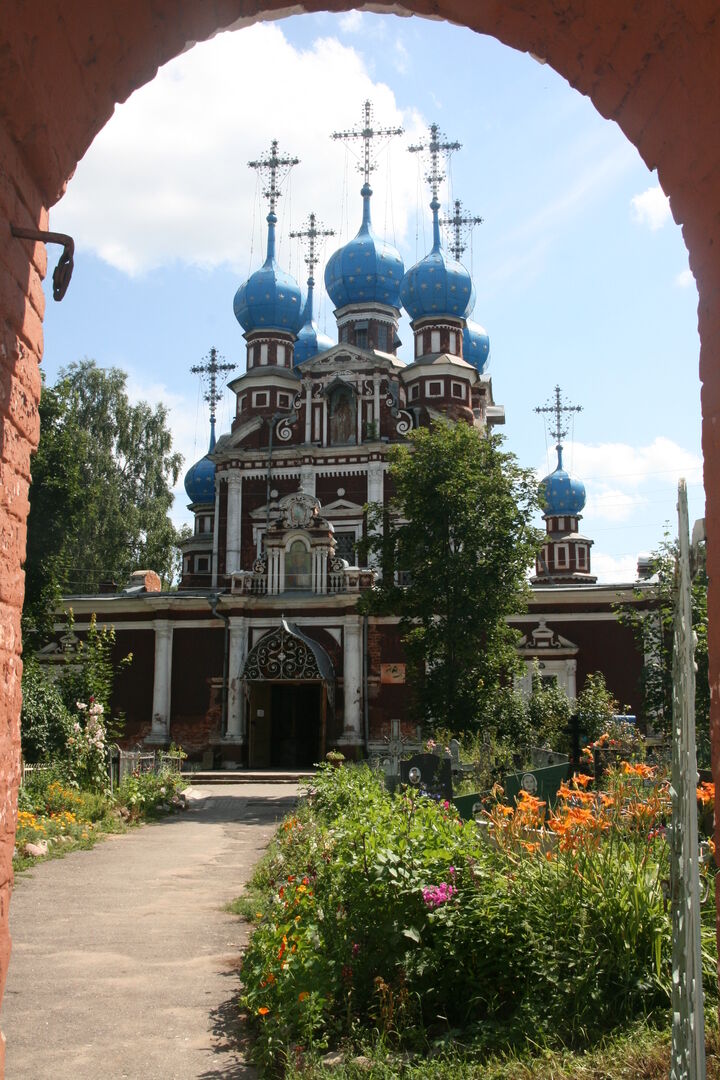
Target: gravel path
124, 963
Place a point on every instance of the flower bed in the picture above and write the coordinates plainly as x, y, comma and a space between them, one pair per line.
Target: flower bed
390, 915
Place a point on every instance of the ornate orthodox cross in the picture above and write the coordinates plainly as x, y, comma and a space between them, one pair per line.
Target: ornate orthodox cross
209, 372
310, 234
461, 224
367, 133
276, 169
558, 409
434, 147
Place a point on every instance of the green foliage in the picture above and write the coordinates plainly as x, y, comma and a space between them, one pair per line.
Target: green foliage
388, 919
45, 721
90, 669
460, 528
143, 793
548, 711
595, 706
101, 493
653, 630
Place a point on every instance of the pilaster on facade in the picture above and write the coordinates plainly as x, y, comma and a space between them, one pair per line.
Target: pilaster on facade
234, 523
216, 535
352, 681
238, 649
162, 682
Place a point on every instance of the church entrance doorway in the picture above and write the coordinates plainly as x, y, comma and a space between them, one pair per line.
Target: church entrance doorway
287, 725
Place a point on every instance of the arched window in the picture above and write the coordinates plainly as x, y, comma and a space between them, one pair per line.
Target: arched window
298, 567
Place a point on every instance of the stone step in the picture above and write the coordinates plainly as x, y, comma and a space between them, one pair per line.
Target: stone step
249, 776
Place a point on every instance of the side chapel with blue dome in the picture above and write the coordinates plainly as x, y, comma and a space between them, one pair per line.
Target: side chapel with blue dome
260, 658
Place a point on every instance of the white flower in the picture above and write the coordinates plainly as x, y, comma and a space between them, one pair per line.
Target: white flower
81, 706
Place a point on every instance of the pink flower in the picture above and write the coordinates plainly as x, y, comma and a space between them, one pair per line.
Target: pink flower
435, 895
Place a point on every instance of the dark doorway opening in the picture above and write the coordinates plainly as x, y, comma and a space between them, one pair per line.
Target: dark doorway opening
295, 717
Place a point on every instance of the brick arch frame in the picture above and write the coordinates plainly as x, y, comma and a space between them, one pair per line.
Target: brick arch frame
63, 66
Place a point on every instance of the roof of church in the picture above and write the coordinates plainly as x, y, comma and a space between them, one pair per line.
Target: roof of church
270, 299
476, 345
561, 493
438, 284
366, 269
200, 477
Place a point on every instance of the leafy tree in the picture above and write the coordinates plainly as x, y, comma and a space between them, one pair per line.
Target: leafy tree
653, 631
595, 705
101, 489
459, 530
45, 722
548, 712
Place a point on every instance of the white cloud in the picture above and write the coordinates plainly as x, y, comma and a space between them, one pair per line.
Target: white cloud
351, 22
651, 208
685, 279
614, 568
167, 180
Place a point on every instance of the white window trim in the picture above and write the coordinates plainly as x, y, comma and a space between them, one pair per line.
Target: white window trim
457, 386
434, 382
257, 394
562, 556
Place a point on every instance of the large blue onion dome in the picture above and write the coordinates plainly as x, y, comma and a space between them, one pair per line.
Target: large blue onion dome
270, 299
365, 270
561, 493
310, 341
200, 477
437, 285
476, 345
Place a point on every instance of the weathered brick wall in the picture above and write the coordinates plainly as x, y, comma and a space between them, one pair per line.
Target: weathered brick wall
65, 63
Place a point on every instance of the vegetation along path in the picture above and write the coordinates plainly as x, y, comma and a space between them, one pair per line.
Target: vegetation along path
124, 962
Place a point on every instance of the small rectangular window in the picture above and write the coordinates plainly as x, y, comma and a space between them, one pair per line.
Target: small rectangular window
414, 391
202, 564
453, 342
361, 337
458, 390
560, 523
264, 353
434, 389
382, 337
283, 401
562, 556
240, 404
434, 341
281, 355
260, 398
581, 556
418, 345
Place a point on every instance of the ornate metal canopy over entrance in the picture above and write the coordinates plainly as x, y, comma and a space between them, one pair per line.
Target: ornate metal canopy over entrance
288, 654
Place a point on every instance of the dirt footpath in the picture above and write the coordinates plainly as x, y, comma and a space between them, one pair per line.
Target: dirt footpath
124, 963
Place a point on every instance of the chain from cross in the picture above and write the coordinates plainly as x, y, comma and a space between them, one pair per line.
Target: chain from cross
459, 222
275, 167
558, 409
310, 234
367, 133
209, 372
434, 147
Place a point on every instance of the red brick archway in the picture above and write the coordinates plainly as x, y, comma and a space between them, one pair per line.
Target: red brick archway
65, 63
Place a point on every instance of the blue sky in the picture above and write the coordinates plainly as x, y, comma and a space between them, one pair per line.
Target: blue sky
581, 274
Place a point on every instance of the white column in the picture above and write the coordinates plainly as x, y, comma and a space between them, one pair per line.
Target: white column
376, 397
307, 479
324, 422
234, 517
572, 679
162, 682
216, 534
352, 680
236, 662
308, 412
375, 479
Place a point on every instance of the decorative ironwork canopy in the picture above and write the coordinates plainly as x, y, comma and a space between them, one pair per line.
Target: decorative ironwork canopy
287, 653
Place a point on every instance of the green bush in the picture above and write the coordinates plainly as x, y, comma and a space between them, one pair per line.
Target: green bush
389, 915
45, 721
142, 793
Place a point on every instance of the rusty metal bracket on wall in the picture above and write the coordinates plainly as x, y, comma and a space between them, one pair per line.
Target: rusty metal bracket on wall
63, 271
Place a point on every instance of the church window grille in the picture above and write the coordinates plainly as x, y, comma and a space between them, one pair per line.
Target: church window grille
434, 341
434, 389
264, 353
414, 391
260, 398
345, 546
562, 556
361, 337
297, 567
281, 355
458, 390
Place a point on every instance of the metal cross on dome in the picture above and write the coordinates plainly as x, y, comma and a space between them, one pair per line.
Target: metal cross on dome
461, 225
311, 234
367, 133
434, 147
209, 372
558, 409
277, 168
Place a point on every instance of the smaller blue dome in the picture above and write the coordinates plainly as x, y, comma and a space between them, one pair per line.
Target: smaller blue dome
200, 478
476, 345
270, 299
310, 340
365, 270
437, 285
561, 493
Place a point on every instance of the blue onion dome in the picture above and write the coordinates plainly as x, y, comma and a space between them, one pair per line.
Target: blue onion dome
310, 341
437, 285
561, 493
365, 270
270, 299
476, 345
200, 477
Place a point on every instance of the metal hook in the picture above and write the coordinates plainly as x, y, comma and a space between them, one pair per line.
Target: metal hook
63, 271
